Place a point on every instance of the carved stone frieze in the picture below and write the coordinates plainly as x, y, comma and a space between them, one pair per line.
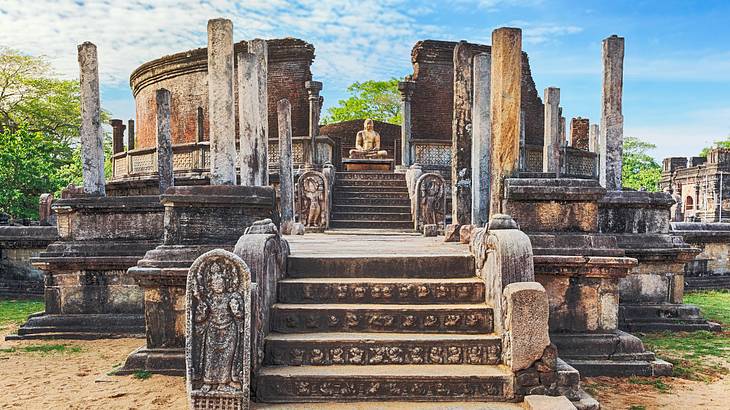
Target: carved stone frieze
367, 292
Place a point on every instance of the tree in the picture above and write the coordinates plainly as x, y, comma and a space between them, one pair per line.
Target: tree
378, 100
640, 170
717, 144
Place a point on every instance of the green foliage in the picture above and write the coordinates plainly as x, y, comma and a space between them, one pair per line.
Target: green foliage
14, 311
142, 375
640, 170
51, 348
715, 304
378, 100
717, 144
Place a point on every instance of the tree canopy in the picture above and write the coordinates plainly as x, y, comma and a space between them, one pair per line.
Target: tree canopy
640, 170
717, 144
378, 100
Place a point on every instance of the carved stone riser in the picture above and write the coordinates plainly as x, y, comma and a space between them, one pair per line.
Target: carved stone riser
381, 176
374, 202
285, 389
371, 224
373, 217
357, 194
359, 208
328, 318
375, 188
439, 267
369, 352
374, 292
372, 183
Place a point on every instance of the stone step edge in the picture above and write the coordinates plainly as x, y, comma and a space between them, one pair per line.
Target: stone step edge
375, 280
380, 306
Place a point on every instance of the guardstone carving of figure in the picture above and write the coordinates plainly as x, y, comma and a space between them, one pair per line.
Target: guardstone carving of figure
367, 143
430, 189
312, 199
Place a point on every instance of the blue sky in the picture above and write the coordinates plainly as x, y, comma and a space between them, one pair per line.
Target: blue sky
677, 66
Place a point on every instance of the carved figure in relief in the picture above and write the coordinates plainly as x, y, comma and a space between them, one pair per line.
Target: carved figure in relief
367, 143
313, 191
432, 200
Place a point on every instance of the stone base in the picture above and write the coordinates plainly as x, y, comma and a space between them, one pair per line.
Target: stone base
160, 361
663, 316
710, 282
368, 164
80, 326
609, 354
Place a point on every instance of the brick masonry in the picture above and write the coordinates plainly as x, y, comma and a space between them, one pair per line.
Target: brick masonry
579, 128
343, 133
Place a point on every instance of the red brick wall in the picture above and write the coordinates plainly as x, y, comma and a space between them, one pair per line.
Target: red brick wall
579, 128
344, 133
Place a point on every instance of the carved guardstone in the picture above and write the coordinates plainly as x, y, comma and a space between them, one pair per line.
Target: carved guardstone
218, 332
430, 201
312, 193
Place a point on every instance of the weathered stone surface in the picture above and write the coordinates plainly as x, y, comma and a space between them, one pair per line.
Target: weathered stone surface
92, 137
525, 323
221, 104
117, 135
465, 233
481, 139
430, 201
406, 88
260, 49
612, 119
579, 129
593, 138
312, 193
313, 90
253, 145
412, 174
46, 215
461, 140
164, 141
218, 332
540, 402
286, 170
551, 150
298, 229
451, 233
506, 98
430, 230
130, 135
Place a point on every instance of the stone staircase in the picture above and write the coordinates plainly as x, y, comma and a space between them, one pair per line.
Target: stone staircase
391, 327
371, 200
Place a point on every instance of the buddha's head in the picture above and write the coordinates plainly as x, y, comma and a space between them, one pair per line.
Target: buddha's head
369, 124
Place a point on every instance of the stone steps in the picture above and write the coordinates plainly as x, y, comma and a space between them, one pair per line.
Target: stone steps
371, 202
433, 318
384, 382
381, 290
339, 224
378, 215
393, 266
349, 188
371, 183
706, 282
366, 208
363, 195
326, 349
378, 175
80, 326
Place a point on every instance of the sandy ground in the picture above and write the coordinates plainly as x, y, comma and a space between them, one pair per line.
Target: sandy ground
79, 380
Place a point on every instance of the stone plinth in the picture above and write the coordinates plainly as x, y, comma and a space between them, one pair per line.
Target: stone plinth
651, 295
368, 164
88, 293
197, 219
17, 245
711, 268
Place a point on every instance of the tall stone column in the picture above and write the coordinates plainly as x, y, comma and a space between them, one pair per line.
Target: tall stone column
481, 140
220, 103
92, 138
253, 143
130, 135
259, 48
593, 135
286, 170
461, 137
506, 97
117, 136
551, 149
406, 89
313, 89
612, 118
164, 140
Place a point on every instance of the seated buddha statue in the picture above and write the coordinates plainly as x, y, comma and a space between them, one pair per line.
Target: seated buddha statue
367, 143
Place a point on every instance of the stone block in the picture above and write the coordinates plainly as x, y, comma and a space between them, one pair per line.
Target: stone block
430, 230
452, 233
526, 323
298, 229
465, 233
540, 402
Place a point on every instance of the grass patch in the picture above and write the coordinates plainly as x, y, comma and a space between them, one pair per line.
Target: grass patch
51, 348
637, 407
650, 381
16, 311
8, 350
715, 304
142, 375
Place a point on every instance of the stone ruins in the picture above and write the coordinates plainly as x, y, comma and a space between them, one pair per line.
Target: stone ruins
471, 253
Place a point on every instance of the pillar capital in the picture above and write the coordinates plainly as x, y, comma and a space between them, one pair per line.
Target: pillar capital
313, 88
406, 88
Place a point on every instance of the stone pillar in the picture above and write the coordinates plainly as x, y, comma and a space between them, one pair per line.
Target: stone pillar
200, 126
92, 138
253, 143
579, 133
505, 101
313, 88
406, 89
612, 119
164, 140
593, 136
286, 171
130, 135
563, 134
551, 149
461, 178
481, 140
220, 103
259, 48
117, 136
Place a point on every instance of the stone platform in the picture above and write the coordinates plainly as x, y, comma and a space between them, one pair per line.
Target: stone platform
367, 164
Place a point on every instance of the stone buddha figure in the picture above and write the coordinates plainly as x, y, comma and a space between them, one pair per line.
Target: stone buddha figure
367, 143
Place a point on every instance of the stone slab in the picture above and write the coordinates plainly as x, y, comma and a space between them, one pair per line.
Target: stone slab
539, 402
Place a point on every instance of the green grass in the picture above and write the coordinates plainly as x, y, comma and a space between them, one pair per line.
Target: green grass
637, 407
43, 349
16, 311
142, 375
651, 381
715, 305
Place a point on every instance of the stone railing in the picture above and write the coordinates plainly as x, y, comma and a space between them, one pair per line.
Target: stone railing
574, 163
432, 154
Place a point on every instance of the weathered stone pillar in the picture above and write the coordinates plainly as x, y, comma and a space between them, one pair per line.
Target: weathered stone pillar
481, 140
92, 138
286, 171
313, 88
259, 48
505, 101
130, 135
406, 89
551, 149
593, 135
461, 178
612, 119
579, 129
251, 145
200, 125
117, 136
164, 140
220, 103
